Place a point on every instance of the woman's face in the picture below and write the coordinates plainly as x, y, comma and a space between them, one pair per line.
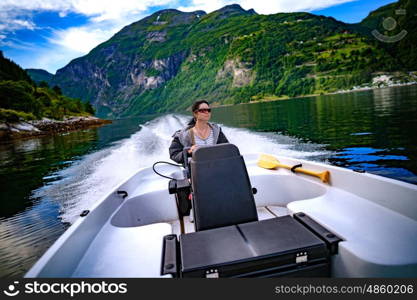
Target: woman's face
203, 113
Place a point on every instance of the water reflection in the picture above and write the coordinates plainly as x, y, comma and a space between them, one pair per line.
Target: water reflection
383, 101
26, 162
29, 220
382, 120
362, 154
26, 236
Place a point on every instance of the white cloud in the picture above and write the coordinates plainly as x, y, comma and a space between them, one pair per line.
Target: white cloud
207, 6
99, 9
49, 5
5, 41
52, 58
113, 10
264, 6
17, 14
268, 7
24, 24
11, 21
81, 39
73, 42
78, 41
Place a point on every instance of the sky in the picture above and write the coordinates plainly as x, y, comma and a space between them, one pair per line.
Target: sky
48, 34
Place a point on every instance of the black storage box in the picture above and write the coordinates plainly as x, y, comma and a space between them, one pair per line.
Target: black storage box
269, 248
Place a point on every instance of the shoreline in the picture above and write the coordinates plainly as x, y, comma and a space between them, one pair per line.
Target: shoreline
368, 88
360, 89
35, 128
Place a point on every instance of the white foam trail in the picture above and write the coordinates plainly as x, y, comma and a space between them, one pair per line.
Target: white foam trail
99, 173
272, 143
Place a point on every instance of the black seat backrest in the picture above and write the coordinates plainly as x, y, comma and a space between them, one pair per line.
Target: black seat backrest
222, 193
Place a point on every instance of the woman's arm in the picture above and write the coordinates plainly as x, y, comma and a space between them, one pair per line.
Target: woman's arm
175, 150
222, 138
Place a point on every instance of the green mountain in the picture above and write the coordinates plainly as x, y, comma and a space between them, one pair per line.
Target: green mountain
39, 75
167, 60
22, 99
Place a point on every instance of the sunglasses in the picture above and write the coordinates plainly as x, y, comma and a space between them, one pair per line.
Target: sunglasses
204, 110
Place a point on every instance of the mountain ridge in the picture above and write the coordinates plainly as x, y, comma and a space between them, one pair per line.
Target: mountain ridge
170, 58
39, 75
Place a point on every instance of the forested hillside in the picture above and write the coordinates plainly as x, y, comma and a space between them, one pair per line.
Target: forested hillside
22, 99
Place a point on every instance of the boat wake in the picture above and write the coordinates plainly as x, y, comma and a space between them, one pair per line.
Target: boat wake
95, 175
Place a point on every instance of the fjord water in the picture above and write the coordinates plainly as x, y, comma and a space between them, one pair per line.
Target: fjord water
46, 182
372, 131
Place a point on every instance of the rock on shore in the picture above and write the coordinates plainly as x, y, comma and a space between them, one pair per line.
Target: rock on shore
46, 126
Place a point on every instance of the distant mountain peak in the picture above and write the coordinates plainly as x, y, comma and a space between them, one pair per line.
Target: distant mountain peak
40, 71
39, 75
234, 9
234, 6
166, 11
173, 16
162, 12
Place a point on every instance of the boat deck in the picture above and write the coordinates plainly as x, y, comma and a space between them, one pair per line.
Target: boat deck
137, 251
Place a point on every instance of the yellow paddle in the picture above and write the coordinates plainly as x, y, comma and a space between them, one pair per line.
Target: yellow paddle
270, 162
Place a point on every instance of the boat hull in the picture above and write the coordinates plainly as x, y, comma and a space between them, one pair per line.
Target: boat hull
122, 237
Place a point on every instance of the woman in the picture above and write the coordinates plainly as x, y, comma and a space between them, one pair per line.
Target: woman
199, 132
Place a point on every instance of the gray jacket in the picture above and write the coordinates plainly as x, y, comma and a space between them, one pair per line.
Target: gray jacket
182, 139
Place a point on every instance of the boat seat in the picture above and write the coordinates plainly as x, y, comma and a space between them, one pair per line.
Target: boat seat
222, 193
376, 240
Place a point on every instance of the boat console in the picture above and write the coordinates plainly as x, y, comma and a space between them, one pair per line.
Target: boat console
229, 240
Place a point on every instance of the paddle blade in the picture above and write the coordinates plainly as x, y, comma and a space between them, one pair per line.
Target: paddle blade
268, 162
325, 176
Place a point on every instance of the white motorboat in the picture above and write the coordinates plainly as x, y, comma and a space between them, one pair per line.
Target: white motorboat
121, 236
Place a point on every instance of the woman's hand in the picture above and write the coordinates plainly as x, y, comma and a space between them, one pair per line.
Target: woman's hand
193, 147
